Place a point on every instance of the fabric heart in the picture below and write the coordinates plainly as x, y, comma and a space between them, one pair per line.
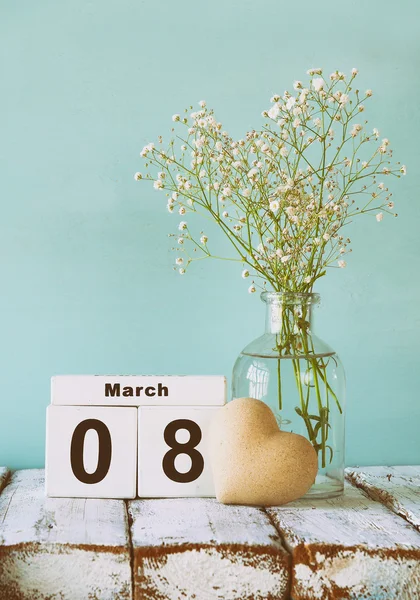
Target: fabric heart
253, 462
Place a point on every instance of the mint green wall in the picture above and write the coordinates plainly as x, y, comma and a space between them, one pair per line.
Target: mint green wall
87, 284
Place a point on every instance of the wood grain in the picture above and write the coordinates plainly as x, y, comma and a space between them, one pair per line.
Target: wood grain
4, 477
349, 547
197, 548
59, 548
396, 487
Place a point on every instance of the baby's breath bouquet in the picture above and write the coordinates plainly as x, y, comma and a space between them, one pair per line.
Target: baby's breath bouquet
283, 195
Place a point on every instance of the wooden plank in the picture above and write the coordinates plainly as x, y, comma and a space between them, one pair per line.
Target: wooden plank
61, 548
396, 487
4, 477
349, 547
198, 548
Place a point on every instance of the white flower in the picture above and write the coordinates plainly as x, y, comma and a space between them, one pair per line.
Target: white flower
296, 123
204, 239
174, 196
284, 151
307, 279
170, 208
245, 273
403, 170
202, 174
342, 264
182, 225
138, 176
227, 191
286, 258
148, 148
381, 186
379, 217
344, 98
274, 111
274, 205
317, 122
290, 102
390, 205
354, 72
361, 108
314, 72
180, 240
303, 94
318, 83
179, 261
252, 173
181, 271
188, 185
252, 289
176, 118
246, 192
326, 236
275, 98
219, 146
182, 210
158, 184
369, 93
202, 103
225, 213
183, 147
385, 142
161, 175
297, 85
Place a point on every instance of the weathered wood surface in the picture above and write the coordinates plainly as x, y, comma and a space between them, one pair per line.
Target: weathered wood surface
365, 545
61, 549
199, 549
4, 477
396, 487
349, 547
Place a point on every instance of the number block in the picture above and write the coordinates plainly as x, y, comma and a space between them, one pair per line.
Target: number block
91, 452
172, 453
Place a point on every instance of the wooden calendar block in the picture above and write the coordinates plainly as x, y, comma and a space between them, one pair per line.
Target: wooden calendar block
138, 390
173, 456
91, 452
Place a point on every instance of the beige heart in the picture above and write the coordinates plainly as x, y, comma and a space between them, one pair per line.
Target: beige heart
253, 462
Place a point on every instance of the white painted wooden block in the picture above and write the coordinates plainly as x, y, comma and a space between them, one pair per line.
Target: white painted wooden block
61, 548
173, 457
198, 548
138, 390
91, 452
396, 487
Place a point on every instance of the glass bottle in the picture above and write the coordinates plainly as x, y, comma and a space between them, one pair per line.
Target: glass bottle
302, 379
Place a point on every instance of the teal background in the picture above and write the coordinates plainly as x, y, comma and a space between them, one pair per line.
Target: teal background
86, 266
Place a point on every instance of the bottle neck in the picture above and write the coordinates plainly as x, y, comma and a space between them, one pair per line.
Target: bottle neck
289, 314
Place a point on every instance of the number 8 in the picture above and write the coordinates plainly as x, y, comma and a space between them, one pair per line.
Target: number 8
189, 448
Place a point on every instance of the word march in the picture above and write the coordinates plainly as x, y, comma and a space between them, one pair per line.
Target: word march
128, 391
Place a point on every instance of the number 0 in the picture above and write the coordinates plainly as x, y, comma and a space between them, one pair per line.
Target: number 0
77, 451
189, 448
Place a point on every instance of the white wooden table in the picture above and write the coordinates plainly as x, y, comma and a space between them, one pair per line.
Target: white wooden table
365, 544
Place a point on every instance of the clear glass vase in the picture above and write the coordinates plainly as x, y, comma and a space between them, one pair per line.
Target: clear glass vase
301, 379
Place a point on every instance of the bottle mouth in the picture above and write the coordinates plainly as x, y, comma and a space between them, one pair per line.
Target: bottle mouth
290, 298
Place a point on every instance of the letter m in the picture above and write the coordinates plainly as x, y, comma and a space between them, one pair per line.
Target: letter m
112, 390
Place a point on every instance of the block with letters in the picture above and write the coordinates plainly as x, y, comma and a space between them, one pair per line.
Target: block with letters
91, 451
172, 452
138, 390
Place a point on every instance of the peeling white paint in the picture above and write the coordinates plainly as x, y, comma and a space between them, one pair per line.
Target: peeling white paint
207, 575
